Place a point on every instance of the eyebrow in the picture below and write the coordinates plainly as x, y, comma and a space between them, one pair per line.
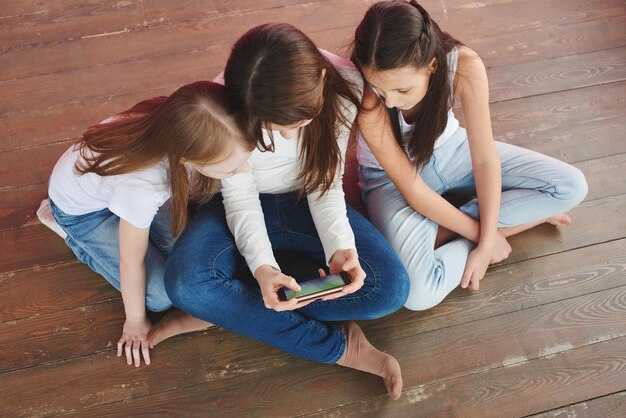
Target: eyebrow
376, 88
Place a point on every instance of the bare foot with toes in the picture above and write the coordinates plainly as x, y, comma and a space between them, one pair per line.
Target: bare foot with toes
175, 322
361, 355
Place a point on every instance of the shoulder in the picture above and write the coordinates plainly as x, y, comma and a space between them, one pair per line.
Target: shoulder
469, 61
471, 70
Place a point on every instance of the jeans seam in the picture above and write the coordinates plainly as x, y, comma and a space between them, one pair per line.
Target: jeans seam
278, 216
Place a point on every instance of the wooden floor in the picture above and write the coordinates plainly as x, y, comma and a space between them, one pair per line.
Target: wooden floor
546, 334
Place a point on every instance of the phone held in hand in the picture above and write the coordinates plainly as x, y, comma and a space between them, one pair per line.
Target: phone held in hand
317, 287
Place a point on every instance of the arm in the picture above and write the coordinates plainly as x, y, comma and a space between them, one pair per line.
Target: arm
245, 219
330, 217
473, 90
133, 247
376, 129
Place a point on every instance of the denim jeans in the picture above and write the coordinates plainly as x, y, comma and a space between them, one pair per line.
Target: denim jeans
534, 187
94, 239
201, 279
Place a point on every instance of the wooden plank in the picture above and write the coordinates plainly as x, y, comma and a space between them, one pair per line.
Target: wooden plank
523, 285
206, 32
556, 74
65, 123
46, 290
467, 352
605, 176
611, 406
179, 34
31, 246
99, 378
57, 20
41, 160
304, 17
44, 338
590, 219
572, 125
46, 90
516, 390
548, 41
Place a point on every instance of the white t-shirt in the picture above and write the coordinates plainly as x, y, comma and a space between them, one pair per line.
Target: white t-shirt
134, 197
275, 172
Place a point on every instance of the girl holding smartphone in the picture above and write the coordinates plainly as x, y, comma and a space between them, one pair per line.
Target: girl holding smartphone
299, 103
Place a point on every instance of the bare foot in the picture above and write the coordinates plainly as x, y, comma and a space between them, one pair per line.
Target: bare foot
175, 322
361, 355
557, 220
560, 220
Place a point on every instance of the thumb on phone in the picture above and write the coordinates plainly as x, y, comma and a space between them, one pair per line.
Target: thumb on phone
290, 283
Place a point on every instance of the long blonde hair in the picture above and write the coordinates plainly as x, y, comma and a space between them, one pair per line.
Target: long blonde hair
194, 124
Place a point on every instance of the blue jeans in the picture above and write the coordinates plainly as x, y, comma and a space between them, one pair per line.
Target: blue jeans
201, 279
534, 187
94, 239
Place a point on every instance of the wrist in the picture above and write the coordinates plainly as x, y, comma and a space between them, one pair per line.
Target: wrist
265, 268
136, 317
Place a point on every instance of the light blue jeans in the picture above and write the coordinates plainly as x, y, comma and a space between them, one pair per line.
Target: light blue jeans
94, 239
534, 187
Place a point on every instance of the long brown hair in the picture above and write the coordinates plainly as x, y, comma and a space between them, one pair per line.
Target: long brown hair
194, 123
274, 74
396, 34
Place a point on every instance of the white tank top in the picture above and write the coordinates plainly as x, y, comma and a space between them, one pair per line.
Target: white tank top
365, 155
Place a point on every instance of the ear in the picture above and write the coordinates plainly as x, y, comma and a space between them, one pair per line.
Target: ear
324, 74
432, 66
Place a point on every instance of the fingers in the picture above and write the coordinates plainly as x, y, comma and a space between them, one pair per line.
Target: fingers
465, 280
133, 349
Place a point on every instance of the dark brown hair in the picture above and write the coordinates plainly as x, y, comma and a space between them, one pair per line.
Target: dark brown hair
274, 74
396, 34
194, 124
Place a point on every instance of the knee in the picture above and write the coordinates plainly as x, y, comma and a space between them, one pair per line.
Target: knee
573, 188
158, 301
391, 292
421, 302
423, 297
177, 287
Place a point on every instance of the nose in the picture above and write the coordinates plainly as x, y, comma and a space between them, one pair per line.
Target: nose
389, 101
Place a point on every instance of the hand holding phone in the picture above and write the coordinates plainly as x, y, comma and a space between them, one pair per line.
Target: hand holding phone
348, 260
270, 281
313, 289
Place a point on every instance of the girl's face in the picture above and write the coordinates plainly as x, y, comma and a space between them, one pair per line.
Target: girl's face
234, 162
402, 87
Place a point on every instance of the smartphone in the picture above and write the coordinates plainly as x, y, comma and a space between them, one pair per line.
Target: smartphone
314, 288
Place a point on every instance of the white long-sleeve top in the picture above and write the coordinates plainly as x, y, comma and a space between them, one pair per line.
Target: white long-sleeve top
275, 172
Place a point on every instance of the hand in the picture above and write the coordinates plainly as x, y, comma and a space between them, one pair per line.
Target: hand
135, 341
347, 260
270, 280
475, 267
501, 249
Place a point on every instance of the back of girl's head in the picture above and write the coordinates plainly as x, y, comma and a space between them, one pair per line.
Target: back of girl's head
275, 75
195, 123
396, 34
